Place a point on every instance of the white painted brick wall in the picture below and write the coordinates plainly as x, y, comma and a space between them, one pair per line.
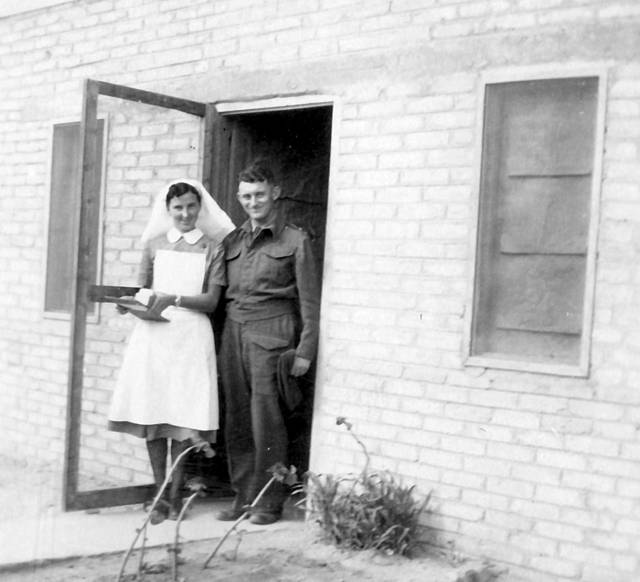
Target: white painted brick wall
537, 471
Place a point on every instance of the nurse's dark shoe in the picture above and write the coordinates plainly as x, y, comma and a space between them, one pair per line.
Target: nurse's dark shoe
159, 513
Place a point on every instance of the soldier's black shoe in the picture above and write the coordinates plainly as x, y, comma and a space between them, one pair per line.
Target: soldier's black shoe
230, 514
264, 518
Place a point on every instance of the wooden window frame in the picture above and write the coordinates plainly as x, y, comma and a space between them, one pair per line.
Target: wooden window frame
581, 369
66, 315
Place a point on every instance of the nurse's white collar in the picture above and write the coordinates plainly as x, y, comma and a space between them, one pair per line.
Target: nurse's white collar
192, 237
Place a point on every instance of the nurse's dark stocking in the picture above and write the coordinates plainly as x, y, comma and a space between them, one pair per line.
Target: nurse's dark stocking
177, 479
157, 450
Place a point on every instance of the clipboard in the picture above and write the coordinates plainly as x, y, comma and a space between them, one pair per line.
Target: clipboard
123, 296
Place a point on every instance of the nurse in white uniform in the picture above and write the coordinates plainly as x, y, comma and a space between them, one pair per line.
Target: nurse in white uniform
167, 388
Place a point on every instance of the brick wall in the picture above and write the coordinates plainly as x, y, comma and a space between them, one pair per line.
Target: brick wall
537, 471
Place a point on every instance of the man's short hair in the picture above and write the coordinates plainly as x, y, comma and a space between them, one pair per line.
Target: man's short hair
259, 170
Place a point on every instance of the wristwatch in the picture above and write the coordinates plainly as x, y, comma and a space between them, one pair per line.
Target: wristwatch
178, 300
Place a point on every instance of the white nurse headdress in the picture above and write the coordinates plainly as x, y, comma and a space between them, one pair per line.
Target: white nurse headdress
212, 220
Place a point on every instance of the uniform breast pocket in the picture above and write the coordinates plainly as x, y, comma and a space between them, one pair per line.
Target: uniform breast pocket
276, 266
232, 263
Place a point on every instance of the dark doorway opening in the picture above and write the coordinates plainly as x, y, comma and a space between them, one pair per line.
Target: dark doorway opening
298, 141
298, 144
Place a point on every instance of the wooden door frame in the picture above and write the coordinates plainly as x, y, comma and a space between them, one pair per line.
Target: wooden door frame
89, 195
222, 113
226, 109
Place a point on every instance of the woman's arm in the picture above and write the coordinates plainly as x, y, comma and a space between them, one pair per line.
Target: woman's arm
205, 302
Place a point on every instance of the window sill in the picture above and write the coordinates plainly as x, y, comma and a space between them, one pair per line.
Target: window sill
502, 362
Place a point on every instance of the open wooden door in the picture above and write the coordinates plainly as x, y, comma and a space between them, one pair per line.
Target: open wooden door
297, 142
152, 139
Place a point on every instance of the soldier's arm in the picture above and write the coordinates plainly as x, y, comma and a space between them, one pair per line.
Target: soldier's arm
308, 284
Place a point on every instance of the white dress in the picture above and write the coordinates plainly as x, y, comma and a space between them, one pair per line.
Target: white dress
168, 379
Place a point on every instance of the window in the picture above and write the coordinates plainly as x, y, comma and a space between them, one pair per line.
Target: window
63, 205
535, 237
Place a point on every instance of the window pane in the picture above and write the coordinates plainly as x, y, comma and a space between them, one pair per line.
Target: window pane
537, 165
63, 207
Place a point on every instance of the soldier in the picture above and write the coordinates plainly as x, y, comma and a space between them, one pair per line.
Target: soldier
272, 307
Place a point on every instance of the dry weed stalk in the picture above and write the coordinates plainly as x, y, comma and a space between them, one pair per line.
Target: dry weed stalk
278, 473
143, 528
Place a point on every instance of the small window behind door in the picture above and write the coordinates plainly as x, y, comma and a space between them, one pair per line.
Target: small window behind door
63, 208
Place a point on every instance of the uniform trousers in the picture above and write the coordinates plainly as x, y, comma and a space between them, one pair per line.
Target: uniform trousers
255, 430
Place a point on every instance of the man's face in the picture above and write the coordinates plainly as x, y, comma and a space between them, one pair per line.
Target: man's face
184, 211
257, 200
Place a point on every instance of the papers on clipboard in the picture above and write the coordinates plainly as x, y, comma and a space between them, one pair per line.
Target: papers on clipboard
138, 309
131, 298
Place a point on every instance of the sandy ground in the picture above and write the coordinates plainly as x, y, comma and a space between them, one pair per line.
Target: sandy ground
284, 556
293, 553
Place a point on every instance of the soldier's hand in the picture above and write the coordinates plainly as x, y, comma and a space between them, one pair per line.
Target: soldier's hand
300, 366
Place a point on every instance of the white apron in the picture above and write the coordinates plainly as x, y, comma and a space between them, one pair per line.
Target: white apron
168, 374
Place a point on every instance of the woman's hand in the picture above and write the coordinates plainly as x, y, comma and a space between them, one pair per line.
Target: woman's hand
160, 301
121, 309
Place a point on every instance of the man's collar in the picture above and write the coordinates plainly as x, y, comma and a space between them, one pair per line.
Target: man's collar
275, 225
192, 237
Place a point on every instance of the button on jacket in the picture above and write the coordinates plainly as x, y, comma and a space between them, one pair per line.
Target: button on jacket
272, 307
270, 272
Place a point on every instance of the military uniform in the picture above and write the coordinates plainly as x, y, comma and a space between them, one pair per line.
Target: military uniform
272, 305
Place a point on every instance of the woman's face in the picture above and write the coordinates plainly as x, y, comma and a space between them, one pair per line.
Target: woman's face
184, 211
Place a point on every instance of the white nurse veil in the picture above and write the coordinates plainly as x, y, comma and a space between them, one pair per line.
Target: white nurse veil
212, 220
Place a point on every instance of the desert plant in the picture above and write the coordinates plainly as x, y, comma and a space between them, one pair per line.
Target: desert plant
372, 510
